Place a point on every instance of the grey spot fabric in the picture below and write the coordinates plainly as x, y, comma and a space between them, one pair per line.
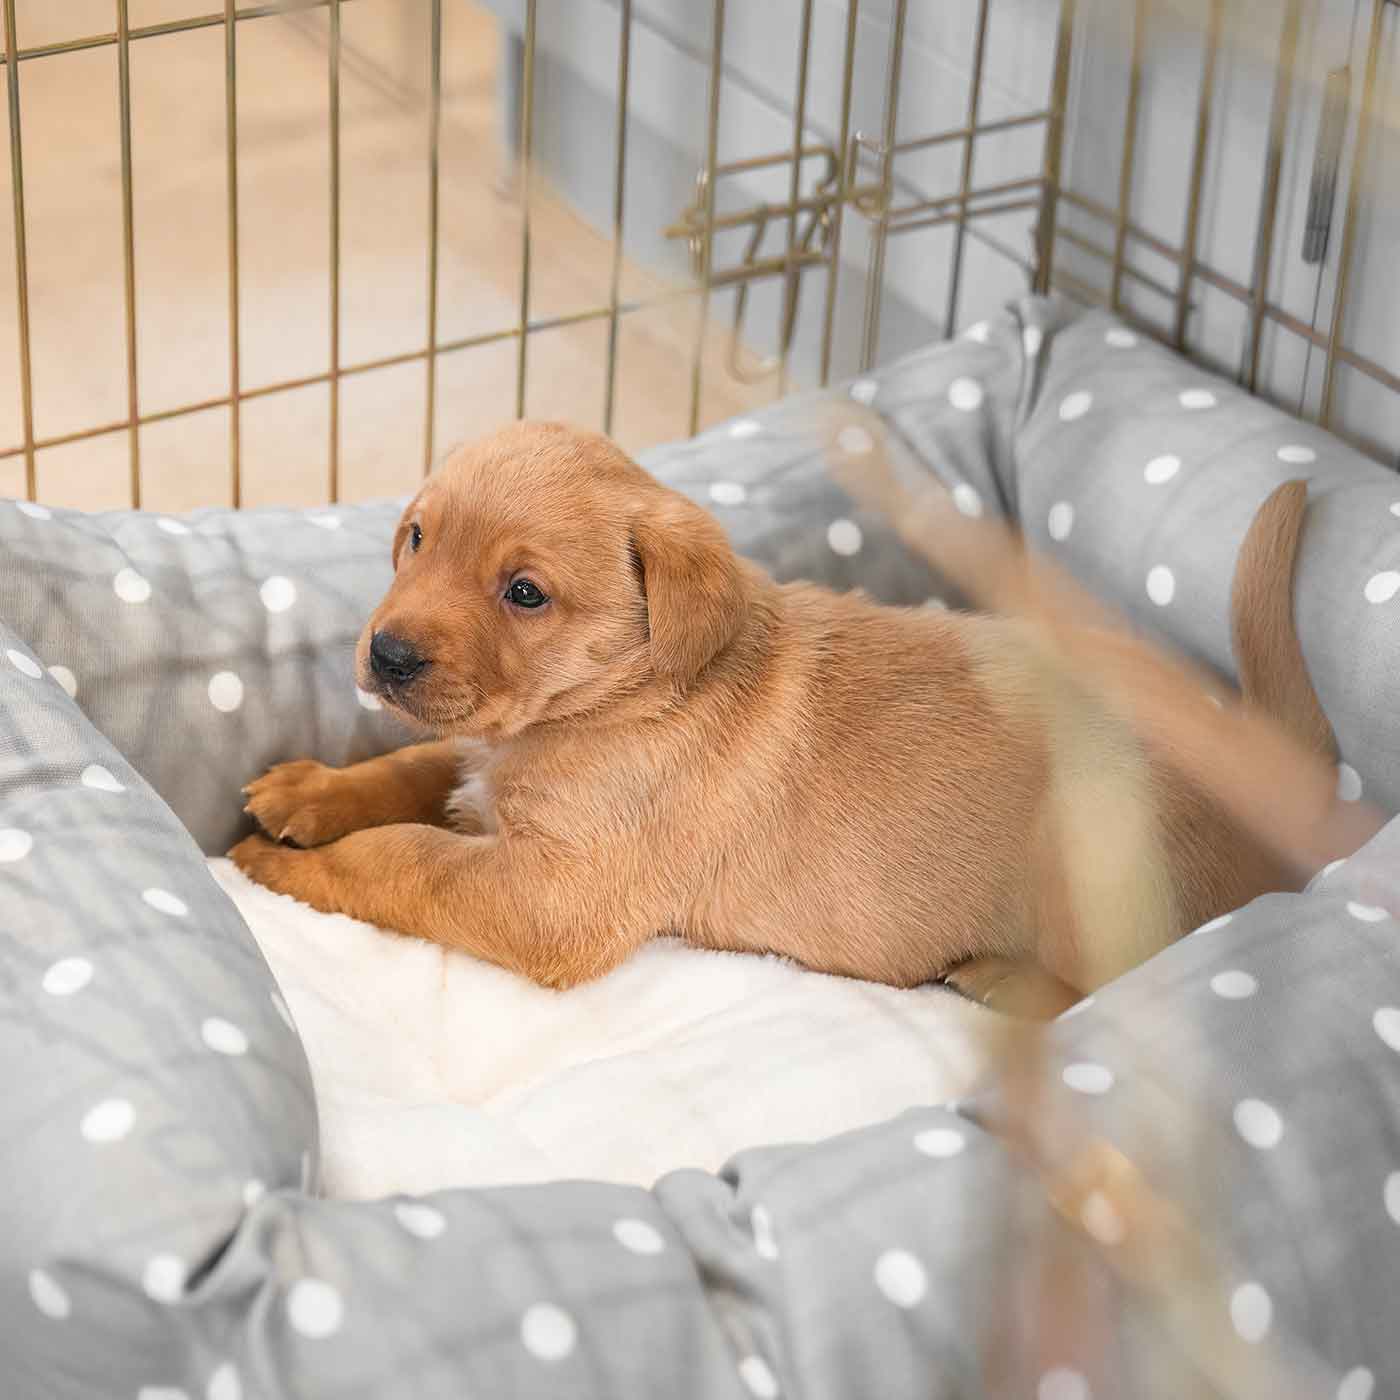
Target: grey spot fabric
209, 646
159, 1233
1141, 473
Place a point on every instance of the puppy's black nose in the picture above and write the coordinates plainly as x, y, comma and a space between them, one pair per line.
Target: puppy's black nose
393, 659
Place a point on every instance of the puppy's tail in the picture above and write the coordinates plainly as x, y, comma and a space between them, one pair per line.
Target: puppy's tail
1273, 674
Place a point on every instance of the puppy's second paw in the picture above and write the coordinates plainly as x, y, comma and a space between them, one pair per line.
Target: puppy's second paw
304, 802
283, 870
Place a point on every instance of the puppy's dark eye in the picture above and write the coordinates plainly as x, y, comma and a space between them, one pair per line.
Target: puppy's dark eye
526, 594
415, 537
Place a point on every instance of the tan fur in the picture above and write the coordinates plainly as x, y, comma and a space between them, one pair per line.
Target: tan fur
1261, 615
677, 744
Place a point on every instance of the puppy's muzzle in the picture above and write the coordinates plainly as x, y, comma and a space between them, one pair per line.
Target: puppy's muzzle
393, 660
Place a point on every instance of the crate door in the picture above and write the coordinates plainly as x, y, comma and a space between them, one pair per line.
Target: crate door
1150, 177
1356, 241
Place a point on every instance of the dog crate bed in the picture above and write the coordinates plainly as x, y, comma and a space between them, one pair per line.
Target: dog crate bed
162, 1235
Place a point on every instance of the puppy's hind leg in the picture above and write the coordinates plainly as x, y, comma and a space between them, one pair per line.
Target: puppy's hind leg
1020, 989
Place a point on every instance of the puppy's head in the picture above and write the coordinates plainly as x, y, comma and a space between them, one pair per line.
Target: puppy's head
541, 573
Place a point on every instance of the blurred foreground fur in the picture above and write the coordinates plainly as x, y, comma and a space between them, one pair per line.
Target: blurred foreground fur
1263, 761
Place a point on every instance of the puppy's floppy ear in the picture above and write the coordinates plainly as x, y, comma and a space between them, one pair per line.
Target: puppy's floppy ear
695, 593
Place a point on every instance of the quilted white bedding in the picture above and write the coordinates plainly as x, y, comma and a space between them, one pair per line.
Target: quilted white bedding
433, 1069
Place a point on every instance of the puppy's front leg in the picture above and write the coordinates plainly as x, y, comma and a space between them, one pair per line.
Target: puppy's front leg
506, 900
311, 803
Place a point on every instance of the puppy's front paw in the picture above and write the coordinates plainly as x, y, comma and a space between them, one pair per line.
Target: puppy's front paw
283, 869
303, 801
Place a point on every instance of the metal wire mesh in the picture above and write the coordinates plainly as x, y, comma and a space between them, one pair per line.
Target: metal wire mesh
865, 179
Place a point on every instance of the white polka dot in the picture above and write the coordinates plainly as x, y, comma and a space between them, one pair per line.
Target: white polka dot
1233, 985
66, 679
224, 1384
223, 1037
764, 1242
965, 394
864, 391
1086, 1077
638, 1236
1297, 455
900, 1277
34, 510
25, 665
253, 1192
1161, 469
1392, 1196
967, 500
1032, 338
1258, 1123
1062, 1384
1395, 508
1348, 783
1060, 521
940, 1142
1381, 588
419, 1219
280, 1007
1357, 1384
854, 441
1215, 924
164, 1278
548, 1332
130, 587
48, 1295
1120, 339
14, 844
755, 1373
1197, 398
1101, 1219
844, 537
100, 778
1387, 1024
325, 522
935, 604
745, 427
980, 332
1075, 406
66, 976
108, 1121
314, 1308
277, 593
162, 1392
728, 493
1075, 1009
1367, 913
166, 902
1252, 1312
368, 701
225, 691
172, 527
1161, 585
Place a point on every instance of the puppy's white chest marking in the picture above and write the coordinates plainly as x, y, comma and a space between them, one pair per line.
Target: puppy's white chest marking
471, 806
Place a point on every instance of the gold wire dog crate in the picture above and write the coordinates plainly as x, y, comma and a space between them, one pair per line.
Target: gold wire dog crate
870, 174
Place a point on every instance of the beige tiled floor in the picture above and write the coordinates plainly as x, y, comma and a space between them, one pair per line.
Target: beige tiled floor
72, 187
